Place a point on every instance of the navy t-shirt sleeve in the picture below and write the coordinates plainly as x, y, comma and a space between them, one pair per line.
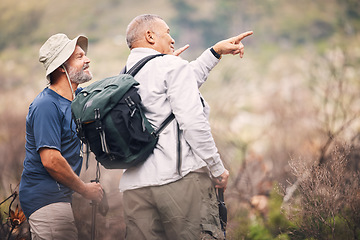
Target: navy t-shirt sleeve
46, 125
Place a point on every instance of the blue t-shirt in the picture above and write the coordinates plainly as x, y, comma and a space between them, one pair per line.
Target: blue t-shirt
48, 124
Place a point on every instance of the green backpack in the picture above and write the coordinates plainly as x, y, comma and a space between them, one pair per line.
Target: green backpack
110, 121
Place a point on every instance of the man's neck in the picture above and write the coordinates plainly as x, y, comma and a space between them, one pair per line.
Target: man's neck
62, 87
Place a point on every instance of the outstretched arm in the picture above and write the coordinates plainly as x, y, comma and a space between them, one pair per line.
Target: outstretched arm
202, 65
228, 46
232, 45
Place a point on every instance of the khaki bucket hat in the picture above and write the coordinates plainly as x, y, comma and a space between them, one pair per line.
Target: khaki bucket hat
57, 49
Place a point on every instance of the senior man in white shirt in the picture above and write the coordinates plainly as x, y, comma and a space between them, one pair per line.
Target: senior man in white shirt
167, 197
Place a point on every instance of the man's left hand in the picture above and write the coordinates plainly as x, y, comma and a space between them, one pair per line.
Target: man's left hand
222, 180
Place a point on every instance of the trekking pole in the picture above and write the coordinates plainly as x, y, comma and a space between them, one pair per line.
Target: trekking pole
222, 210
94, 205
93, 216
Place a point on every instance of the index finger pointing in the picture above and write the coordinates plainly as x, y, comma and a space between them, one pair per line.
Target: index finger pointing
243, 35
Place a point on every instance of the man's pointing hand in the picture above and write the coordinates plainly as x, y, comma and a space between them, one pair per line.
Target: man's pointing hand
232, 45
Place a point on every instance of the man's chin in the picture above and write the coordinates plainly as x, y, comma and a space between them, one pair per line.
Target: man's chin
85, 78
90, 75
87, 72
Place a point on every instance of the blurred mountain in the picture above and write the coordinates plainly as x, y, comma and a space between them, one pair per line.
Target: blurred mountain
24, 23
275, 22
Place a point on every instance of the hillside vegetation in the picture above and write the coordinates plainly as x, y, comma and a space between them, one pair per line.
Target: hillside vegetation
285, 117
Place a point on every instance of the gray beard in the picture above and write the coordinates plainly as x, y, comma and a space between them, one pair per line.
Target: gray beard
78, 77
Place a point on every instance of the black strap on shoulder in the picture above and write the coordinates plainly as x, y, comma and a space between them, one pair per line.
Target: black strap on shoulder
133, 71
136, 68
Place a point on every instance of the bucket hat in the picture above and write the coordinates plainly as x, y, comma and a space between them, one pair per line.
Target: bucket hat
57, 49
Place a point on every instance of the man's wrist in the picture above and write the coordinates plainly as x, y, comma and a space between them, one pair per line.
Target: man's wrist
216, 54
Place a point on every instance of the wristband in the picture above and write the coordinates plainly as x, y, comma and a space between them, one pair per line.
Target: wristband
218, 56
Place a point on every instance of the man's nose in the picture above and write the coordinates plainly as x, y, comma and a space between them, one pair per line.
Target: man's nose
87, 59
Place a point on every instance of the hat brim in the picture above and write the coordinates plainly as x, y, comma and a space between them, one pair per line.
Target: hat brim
67, 51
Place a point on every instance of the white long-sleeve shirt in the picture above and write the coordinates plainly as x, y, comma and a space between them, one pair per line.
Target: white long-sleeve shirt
170, 84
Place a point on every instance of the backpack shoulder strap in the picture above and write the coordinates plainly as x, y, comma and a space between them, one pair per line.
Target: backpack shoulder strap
135, 69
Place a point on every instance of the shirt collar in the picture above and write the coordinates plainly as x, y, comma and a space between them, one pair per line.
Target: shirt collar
137, 54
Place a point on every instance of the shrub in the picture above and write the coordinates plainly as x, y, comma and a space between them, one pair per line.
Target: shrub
329, 201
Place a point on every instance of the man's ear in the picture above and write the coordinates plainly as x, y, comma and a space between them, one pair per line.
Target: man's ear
61, 69
150, 37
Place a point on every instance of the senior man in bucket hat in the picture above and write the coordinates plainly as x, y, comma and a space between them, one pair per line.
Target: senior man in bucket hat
53, 160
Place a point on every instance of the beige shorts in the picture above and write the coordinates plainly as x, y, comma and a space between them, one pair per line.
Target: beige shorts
53, 222
185, 209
